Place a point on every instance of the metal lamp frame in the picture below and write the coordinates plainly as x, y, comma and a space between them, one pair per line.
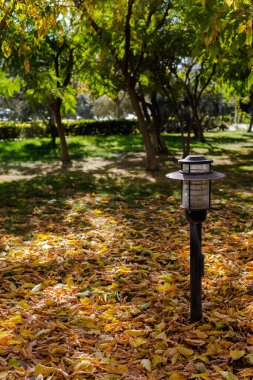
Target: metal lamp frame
195, 217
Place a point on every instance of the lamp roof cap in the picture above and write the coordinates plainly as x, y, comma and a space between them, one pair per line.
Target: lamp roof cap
195, 159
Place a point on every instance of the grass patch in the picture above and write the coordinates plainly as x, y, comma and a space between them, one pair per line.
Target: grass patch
217, 143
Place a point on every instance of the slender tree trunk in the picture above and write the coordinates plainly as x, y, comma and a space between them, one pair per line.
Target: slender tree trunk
118, 112
56, 107
251, 115
53, 131
151, 159
185, 140
198, 132
161, 147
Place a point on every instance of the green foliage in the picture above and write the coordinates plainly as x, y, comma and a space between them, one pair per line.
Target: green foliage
9, 85
97, 127
215, 123
11, 130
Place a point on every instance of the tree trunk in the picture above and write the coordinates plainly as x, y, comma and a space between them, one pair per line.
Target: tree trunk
199, 132
151, 159
160, 146
56, 107
185, 140
53, 131
117, 112
251, 116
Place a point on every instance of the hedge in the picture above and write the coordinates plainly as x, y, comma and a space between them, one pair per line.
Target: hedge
11, 130
100, 128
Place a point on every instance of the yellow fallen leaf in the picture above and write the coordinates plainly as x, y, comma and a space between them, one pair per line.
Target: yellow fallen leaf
84, 365
195, 342
236, 354
137, 342
160, 346
157, 359
44, 370
201, 334
146, 363
97, 212
40, 369
85, 301
161, 326
23, 304
136, 333
161, 336
176, 376
250, 358
200, 367
13, 321
228, 375
116, 369
174, 359
205, 326
13, 363
184, 351
42, 332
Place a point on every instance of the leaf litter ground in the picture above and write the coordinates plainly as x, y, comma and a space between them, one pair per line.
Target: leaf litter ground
95, 276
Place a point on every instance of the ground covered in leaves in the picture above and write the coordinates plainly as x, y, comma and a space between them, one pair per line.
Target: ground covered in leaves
94, 269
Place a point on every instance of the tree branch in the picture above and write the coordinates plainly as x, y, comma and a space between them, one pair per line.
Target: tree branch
69, 68
207, 81
127, 57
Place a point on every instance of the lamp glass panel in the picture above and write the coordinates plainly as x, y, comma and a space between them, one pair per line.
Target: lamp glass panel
196, 168
196, 195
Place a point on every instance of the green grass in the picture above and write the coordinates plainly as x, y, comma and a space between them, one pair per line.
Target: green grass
234, 146
31, 150
20, 193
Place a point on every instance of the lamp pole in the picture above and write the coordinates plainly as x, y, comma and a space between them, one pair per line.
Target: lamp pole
195, 218
195, 175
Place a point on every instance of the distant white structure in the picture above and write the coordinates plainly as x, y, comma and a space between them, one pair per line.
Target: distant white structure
238, 127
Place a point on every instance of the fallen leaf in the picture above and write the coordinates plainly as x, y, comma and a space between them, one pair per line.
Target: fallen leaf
176, 376
36, 289
136, 333
184, 351
236, 354
156, 359
137, 342
146, 363
228, 375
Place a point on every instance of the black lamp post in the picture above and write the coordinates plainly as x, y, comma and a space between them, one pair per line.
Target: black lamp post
196, 176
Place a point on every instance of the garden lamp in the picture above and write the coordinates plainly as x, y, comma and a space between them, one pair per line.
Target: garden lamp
195, 176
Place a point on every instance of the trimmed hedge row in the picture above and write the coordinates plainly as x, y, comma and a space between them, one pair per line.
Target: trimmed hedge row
100, 128
11, 130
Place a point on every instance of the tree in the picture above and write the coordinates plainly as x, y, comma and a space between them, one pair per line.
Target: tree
46, 59
126, 32
231, 32
41, 48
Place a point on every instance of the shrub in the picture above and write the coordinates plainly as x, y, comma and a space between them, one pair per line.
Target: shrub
11, 130
100, 127
215, 123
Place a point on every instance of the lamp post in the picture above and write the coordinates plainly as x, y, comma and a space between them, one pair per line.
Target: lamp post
195, 176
